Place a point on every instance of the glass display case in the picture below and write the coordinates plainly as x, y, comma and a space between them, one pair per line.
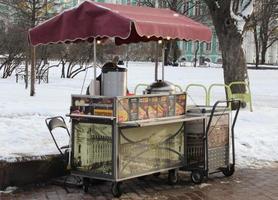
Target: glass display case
123, 137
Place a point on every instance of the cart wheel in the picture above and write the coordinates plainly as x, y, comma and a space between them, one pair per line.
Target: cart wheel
173, 176
85, 186
156, 174
243, 104
116, 189
197, 176
229, 171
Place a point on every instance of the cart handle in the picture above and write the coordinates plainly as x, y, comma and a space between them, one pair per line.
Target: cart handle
233, 125
227, 102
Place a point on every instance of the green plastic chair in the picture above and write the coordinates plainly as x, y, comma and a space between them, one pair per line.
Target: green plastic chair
242, 97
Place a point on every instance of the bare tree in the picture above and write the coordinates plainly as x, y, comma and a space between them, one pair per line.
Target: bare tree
264, 25
268, 25
11, 50
75, 58
27, 14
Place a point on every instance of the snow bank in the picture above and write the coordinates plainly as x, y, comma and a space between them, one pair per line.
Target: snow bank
23, 131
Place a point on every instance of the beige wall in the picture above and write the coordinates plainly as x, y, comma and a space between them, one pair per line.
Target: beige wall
250, 51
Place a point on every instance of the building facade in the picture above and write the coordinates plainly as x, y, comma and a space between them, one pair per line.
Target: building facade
250, 50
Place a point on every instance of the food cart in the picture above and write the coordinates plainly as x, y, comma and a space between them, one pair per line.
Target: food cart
116, 137
119, 138
127, 136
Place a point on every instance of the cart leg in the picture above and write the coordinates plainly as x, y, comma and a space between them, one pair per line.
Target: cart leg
173, 176
86, 182
116, 189
229, 171
197, 176
142, 178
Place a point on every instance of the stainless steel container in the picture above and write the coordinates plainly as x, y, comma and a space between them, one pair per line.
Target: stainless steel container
160, 87
114, 81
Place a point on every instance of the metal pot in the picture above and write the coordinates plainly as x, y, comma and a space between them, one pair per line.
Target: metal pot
114, 81
160, 87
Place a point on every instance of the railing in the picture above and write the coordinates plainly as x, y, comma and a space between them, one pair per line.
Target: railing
244, 98
199, 86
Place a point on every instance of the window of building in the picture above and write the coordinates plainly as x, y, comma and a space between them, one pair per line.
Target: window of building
208, 46
197, 8
186, 7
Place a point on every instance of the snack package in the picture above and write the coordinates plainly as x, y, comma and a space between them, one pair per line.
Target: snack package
102, 106
103, 112
143, 108
171, 105
163, 107
133, 109
123, 109
180, 104
152, 108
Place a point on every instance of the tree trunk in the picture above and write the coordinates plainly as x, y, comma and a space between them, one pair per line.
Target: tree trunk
263, 52
196, 54
33, 71
234, 63
256, 46
63, 69
230, 40
26, 73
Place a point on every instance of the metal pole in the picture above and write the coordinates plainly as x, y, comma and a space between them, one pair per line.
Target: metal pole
95, 65
163, 58
127, 55
33, 71
156, 50
156, 62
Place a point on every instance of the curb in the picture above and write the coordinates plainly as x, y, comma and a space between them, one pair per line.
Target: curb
31, 171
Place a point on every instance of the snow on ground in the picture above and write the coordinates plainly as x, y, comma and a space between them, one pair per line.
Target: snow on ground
24, 133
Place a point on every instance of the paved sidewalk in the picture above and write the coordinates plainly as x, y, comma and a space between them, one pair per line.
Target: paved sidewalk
246, 184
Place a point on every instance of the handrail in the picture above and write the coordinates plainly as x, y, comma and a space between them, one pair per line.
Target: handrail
177, 86
200, 86
140, 85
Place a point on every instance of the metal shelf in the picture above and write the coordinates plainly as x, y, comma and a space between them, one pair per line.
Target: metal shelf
90, 116
159, 121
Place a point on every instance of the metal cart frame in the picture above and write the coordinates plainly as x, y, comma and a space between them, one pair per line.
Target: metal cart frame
113, 121
202, 169
199, 170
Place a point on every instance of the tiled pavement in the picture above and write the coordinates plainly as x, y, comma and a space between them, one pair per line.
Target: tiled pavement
246, 184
